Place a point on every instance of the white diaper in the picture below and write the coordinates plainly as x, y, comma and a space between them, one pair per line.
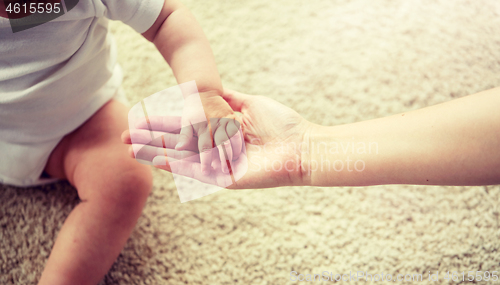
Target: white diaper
21, 164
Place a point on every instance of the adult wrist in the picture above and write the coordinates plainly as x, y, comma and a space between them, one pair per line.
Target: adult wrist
306, 156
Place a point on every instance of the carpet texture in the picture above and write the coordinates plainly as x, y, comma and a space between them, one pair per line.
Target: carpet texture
334, 62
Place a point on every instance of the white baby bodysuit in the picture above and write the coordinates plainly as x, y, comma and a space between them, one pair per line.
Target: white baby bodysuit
52, 76
48, 72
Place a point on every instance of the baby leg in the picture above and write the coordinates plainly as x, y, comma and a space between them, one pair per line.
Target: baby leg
113, 189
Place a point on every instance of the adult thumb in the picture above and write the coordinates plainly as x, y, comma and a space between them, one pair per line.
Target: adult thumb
185, 136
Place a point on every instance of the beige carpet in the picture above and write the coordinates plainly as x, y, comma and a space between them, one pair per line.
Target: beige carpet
335, 62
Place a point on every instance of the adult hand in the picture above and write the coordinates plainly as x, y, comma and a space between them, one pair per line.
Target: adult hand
210, 121
437, 145
273, 135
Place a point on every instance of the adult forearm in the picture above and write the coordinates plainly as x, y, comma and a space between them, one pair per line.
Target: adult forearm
454, 143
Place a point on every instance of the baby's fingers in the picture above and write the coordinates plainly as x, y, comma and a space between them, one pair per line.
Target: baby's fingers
205, 147
224, 145
235, 136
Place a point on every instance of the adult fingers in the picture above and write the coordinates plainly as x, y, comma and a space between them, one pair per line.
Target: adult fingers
170, 124
126, 137
185, 138
138, 136
152, 138
193, 170
148, 153
173, 154
185, 168
161, 162
165, 140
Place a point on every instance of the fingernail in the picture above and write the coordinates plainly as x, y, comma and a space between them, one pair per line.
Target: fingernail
178, 145
159, 160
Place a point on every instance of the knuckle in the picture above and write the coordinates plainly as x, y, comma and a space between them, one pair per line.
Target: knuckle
203, 132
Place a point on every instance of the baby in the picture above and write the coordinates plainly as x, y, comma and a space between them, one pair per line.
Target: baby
62, 113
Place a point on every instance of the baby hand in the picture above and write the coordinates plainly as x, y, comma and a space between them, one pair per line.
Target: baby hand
214, 123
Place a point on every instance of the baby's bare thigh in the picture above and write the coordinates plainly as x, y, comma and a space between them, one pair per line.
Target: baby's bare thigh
94, 149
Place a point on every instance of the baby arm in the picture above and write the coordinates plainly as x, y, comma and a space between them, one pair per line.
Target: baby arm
181, 41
